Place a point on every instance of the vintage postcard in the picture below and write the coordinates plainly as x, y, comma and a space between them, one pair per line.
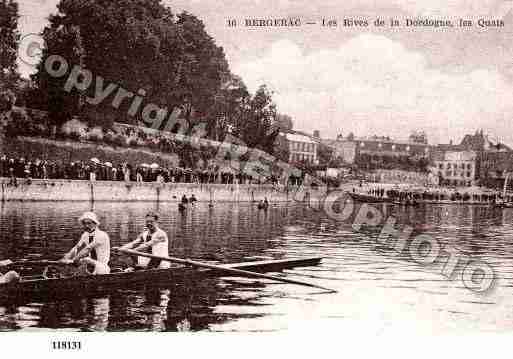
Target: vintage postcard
255, 166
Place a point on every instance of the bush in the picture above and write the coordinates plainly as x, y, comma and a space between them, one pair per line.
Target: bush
132, 142
118, 140
95, 134
7, 100
74, 129
20, 124
94, 138
73, 136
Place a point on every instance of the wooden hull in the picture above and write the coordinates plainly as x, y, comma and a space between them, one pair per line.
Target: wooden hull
52, 289
372, 199
366, 198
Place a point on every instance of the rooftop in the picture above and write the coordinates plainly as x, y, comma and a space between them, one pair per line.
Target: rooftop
299, 138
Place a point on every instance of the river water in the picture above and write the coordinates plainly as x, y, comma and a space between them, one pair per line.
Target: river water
378, 291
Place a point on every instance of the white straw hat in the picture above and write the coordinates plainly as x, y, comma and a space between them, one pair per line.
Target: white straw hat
90, 216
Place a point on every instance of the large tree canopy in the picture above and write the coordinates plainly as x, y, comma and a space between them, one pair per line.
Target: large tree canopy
9, 37
137, 45
142, 45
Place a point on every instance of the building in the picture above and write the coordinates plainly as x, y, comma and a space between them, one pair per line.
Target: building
455, 165
493, 160
377, 152
495, 165
302, 148
342, 149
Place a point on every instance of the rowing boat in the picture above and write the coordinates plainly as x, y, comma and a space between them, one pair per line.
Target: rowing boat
366, 198
28, 290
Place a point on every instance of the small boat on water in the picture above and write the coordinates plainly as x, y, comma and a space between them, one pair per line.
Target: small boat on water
40, 288
360, 197
367, 198
409, 203
504, 204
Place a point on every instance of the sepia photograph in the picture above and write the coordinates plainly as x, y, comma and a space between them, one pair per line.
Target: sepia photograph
256, 166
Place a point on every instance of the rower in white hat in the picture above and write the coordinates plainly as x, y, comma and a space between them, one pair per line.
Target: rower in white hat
93, 248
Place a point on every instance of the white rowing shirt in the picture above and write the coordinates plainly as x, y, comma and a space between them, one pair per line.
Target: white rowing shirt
159, 247
99, 242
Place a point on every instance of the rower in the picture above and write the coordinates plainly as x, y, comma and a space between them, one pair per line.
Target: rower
152, 240
93, 248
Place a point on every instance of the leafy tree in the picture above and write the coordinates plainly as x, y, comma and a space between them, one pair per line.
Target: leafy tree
142, 45
7, 100
231, 102
9, 37
324, 154
65, 41
257, 120
284, 122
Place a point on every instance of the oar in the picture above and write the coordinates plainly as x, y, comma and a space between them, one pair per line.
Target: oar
41, 262
238, 272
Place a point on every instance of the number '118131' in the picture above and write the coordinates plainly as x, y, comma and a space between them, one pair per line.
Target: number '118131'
66, 345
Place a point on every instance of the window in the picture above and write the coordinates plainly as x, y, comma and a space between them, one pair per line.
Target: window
469, 166
441, 166
468, 174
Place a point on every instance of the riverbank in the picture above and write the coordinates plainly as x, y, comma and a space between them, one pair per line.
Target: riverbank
73, 151
112, 191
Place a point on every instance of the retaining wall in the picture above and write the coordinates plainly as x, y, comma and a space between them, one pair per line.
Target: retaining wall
68, 190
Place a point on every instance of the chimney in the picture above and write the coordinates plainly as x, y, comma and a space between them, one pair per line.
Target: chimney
316, 134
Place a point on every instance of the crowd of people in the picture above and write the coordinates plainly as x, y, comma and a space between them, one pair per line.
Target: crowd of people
439, 195
95, 170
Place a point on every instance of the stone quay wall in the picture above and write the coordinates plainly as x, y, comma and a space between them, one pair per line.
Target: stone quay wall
76, 190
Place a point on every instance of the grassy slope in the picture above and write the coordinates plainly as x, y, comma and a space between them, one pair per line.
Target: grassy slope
39, 148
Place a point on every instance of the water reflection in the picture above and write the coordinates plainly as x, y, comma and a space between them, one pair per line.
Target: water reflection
375, 286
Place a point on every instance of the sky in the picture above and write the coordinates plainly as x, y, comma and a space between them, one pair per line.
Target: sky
381, 81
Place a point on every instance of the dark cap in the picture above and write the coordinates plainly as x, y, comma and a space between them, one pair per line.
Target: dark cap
153, 214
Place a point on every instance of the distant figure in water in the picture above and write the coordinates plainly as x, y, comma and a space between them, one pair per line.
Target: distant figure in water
263, 204
193, 199
182, 206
